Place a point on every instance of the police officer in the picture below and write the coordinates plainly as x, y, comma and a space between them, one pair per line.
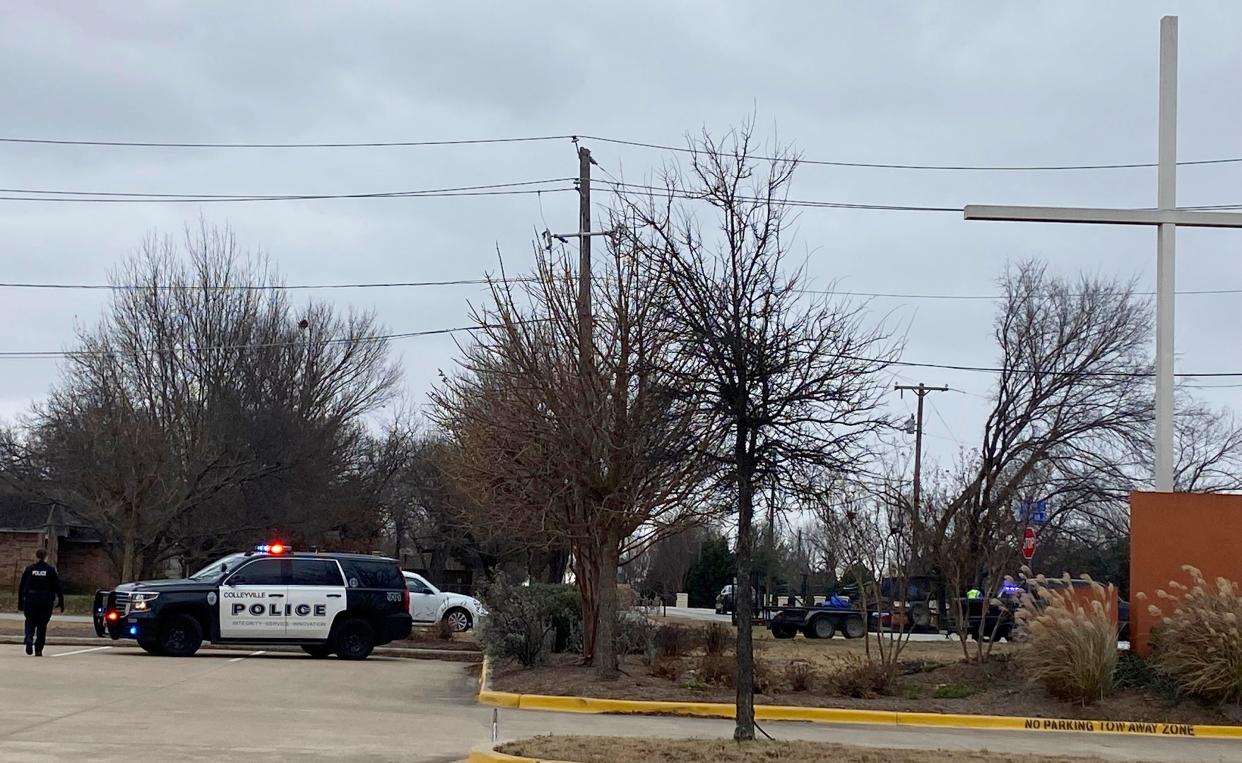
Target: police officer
40, 589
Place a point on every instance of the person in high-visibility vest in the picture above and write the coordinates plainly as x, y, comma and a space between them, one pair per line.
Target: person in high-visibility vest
974, 593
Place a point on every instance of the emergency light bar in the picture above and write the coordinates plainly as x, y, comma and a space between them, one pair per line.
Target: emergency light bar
272, 548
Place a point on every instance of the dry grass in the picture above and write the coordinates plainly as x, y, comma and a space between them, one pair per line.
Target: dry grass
1072, 640
799, 675
858, 678
673, 640
1198, 642
625, 749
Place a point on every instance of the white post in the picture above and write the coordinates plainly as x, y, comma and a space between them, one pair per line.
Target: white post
1165, 281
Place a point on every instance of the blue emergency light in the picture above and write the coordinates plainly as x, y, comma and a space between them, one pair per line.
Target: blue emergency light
272, 548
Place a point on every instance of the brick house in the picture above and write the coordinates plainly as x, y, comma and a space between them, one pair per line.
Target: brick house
75, 549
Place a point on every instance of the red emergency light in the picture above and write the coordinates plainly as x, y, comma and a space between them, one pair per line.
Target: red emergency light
112, 616
272, 548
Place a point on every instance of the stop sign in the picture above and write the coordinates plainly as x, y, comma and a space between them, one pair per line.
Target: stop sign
1028, 544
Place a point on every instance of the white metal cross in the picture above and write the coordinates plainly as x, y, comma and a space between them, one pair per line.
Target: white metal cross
1166, 217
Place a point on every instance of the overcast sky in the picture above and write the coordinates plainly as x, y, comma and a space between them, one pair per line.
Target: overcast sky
928, 83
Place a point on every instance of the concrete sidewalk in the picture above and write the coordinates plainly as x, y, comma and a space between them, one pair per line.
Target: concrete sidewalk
56, 618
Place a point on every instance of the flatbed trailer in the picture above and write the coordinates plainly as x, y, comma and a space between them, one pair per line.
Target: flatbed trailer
817, 622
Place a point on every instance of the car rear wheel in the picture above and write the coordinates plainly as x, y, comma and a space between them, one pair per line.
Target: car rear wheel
354, 639
784, 631
180, 636
459, 620
820, 627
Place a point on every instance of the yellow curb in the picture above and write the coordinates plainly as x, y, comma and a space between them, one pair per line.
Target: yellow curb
487, 754
841, 715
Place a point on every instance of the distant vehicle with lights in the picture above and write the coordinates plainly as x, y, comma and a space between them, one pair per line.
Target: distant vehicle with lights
429, 605
326, 603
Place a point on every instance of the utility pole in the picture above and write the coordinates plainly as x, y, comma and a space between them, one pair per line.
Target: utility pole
921, 390
586, 333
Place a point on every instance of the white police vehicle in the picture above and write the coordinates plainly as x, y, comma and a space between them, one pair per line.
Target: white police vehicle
326, 603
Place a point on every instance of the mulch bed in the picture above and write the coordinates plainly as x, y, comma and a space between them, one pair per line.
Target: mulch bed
995, 688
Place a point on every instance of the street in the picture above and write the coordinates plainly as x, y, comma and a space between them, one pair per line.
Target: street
116, 703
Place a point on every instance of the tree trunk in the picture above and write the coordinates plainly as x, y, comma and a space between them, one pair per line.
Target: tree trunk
558, 562
744, 731
129, 547
586, 575
439, 560
606, 614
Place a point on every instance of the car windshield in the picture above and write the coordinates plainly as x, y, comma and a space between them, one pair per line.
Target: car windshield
217, 568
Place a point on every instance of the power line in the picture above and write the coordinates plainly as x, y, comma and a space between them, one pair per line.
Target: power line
365, 144
937, 167
1039, 372
602, 139
259, 287
819, 204
516, 280
116, 197
252, 196
996, 297
44, 354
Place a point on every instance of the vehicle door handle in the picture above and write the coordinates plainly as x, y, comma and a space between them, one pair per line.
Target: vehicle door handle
275, 596
334, 596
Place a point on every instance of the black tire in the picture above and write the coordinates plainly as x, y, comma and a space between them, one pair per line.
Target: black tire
180, 636
854, 628
784, 631
820, 627
150, 647
459, 620
318, 651
353, 639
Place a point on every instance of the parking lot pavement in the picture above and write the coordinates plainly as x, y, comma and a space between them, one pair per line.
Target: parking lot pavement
118, 703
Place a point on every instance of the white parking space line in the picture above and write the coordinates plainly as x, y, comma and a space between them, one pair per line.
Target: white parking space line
82, 651
252, 654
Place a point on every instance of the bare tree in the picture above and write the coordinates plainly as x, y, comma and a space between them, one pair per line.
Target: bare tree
556, 454
202, 408
780, 384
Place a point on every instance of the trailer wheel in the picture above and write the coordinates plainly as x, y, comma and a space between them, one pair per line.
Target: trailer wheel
784, 631
854, 627
820, 627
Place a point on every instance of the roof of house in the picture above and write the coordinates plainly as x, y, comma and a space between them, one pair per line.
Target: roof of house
21, 514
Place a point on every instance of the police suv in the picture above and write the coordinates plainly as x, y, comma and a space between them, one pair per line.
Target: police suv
323, 602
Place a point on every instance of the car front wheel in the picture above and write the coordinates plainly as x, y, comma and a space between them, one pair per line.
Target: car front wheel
180, 636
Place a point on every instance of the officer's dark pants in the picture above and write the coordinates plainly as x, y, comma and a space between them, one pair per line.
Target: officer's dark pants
37, 617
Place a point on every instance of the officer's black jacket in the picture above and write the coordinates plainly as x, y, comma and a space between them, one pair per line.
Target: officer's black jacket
40, 587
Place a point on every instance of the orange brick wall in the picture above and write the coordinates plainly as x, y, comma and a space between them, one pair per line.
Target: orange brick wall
83, 566
16, 551
1168, 530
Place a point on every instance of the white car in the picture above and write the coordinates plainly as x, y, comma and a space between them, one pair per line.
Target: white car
428, 605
